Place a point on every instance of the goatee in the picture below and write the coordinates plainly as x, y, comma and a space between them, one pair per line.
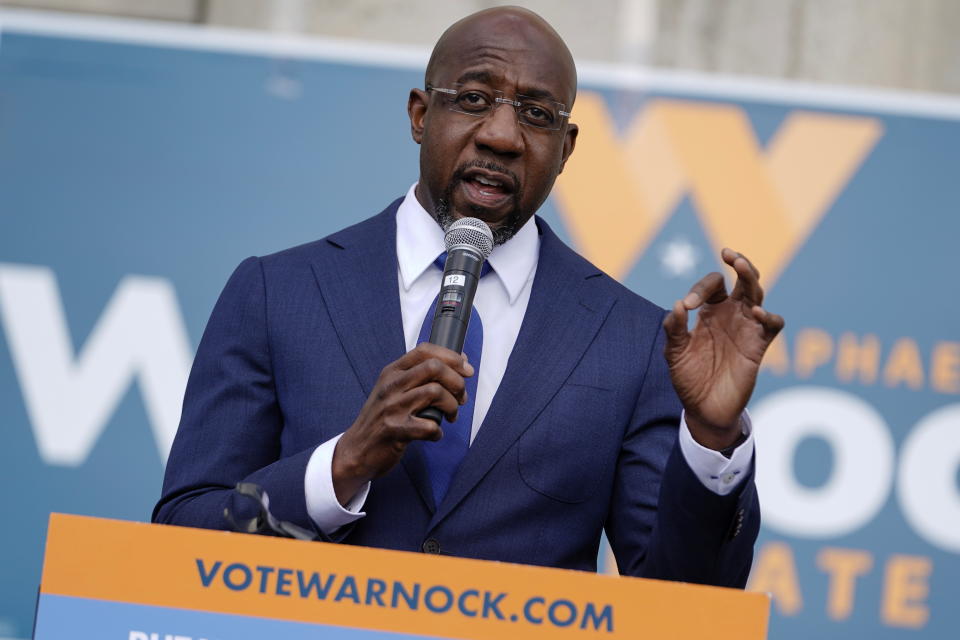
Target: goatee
444, 216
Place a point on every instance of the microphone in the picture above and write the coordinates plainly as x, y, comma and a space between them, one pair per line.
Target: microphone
469, 243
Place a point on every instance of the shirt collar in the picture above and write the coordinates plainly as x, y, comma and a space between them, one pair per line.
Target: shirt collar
420, 241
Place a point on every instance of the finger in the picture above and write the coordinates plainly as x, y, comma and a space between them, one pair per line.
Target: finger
432, 394
427, 350
729, 256
457, 361
675, 326
434, 370
466, 367
421, 429
771, 322
748, 277
710, 288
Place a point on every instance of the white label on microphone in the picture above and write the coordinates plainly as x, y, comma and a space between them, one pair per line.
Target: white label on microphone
455, 279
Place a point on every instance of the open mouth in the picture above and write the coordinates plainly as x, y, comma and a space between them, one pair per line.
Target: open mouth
487, 189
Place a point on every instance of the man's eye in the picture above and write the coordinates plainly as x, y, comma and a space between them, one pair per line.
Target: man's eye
473, 101
537, 115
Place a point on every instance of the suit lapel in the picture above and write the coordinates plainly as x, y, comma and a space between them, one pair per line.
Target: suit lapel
563, 316
358, 281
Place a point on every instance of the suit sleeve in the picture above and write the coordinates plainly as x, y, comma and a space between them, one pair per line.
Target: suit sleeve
231, 423
662, 522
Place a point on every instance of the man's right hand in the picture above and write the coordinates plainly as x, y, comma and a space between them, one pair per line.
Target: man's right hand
427, 376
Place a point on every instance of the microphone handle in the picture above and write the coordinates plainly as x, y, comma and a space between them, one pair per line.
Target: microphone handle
454, 304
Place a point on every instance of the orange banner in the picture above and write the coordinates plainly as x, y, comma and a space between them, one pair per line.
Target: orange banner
376, 589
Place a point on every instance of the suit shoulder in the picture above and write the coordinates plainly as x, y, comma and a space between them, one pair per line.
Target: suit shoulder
301, 253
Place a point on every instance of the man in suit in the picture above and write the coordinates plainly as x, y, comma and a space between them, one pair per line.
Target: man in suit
564, 422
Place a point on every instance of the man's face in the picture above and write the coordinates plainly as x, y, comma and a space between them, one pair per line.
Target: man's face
492, 167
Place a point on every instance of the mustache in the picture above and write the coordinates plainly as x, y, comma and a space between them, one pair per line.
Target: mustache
489, 166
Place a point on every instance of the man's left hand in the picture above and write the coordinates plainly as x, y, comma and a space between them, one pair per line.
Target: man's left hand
714, 367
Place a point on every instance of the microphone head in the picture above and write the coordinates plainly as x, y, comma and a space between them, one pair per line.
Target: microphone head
471, 234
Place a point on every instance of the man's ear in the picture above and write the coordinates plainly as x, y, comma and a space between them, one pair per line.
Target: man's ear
417, 105
569, 142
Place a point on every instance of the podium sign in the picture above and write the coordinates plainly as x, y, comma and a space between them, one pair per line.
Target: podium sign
110, 579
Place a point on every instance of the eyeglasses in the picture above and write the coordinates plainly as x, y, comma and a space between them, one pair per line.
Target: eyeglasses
534, 112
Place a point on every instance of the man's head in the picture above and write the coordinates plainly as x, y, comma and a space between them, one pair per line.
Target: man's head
493, 166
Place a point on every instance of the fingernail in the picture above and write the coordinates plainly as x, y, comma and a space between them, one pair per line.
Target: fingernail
691, 300
468, 368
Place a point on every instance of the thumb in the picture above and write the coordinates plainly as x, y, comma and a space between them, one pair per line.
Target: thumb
675, 327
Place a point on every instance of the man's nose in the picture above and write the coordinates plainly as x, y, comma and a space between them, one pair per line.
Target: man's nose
500, 132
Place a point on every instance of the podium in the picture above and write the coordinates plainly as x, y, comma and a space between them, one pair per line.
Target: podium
132, 581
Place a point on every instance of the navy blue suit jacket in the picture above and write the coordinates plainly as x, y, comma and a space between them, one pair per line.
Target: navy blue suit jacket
580, 437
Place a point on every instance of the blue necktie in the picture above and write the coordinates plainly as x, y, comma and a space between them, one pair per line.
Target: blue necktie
444, 457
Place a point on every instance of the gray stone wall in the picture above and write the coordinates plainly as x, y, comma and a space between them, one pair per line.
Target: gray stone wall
903, 44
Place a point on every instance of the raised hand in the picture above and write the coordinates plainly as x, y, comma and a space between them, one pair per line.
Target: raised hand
714, 367
427, 376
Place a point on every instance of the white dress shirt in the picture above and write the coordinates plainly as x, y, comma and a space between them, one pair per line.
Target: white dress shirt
501, 301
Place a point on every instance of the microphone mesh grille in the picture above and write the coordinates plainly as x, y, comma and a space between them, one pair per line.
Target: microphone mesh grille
471, 232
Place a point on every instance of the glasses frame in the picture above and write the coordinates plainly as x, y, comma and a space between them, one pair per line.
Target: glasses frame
500, 98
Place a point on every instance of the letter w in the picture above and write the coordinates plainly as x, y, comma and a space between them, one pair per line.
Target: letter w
616, 193
139, 335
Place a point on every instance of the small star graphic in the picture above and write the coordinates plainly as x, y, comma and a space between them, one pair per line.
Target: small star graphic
679, 258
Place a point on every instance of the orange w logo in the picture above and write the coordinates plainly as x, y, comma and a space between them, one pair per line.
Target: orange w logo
615, 195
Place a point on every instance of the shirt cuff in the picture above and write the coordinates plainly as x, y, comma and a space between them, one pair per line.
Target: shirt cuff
716, 472
322, 504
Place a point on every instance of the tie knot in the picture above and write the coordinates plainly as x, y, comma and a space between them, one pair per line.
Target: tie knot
441, 263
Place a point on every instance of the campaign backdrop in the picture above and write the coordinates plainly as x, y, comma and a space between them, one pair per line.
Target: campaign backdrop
140, 164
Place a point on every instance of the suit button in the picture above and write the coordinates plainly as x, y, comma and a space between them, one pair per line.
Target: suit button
430, 546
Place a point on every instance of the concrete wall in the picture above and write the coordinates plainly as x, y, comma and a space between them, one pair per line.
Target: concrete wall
905, 44
908, 44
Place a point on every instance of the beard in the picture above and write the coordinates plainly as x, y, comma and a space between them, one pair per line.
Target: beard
511, 224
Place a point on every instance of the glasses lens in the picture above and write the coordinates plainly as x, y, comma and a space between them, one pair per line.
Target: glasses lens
534, 112
472, 101
544, 114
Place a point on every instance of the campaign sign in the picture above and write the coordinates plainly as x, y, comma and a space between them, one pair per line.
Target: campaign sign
140, 163
114, 579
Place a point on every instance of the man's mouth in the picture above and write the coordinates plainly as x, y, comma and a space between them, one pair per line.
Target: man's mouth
487, 189
484, 190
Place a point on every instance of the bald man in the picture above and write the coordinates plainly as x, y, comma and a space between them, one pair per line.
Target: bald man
584, 408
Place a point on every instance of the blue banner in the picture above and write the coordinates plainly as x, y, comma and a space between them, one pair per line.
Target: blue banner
87, 619
134, 176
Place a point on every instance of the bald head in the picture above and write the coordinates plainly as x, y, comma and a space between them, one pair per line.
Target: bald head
492, 121
504, 27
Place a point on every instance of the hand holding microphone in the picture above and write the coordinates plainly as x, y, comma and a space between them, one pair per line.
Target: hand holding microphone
415, 391
469, 243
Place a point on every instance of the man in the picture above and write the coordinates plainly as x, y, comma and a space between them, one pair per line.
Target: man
573, 424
